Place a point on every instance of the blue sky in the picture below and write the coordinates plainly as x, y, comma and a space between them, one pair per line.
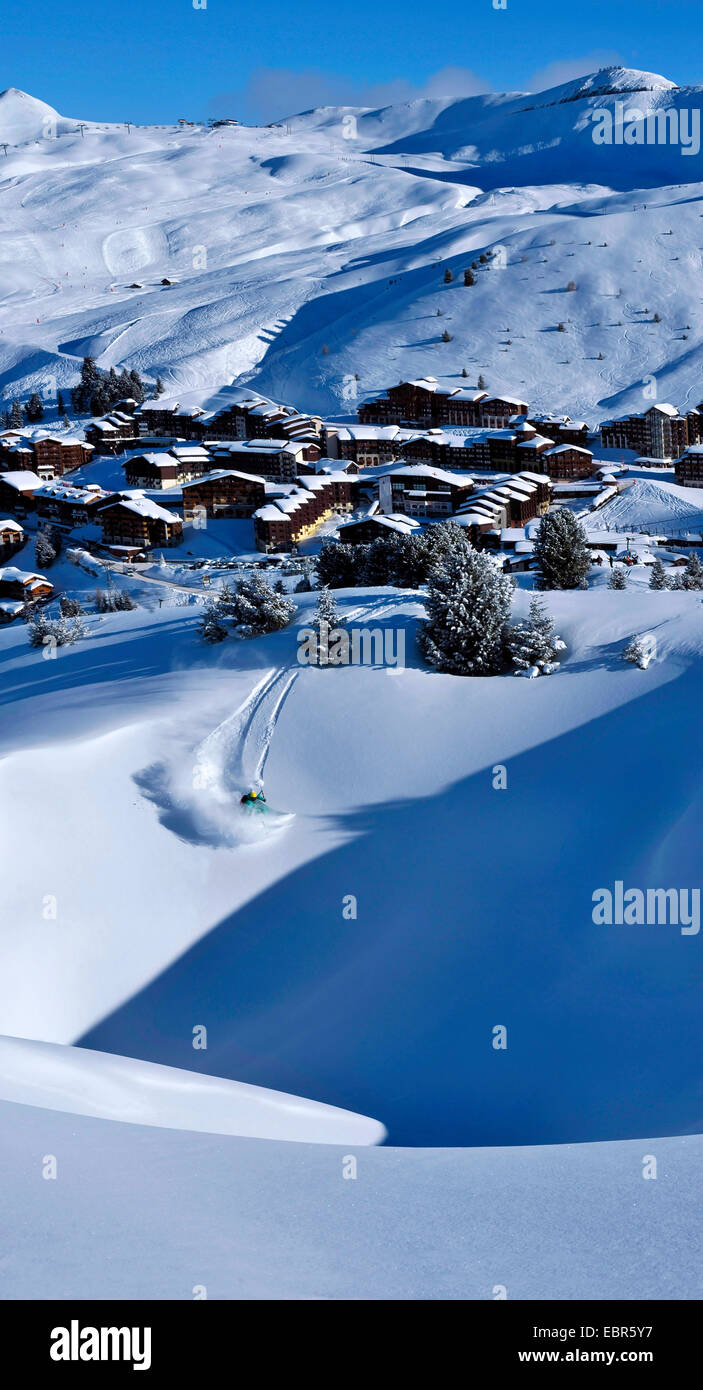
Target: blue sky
156, 60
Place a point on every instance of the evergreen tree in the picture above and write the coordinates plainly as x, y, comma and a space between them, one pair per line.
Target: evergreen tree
90, 380
16, 415
534, 645
618, 578
481, 383
60, 632
658, 577
448, 277
469, 277
561, 551
325, 621
692, 577
446, 336
338, 565
210, 626
44, 551
60, 404
99, 401
70, 607
159, 388
468, 602
259, 609
34, 410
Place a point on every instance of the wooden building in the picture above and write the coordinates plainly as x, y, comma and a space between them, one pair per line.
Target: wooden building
224, 492
129, 518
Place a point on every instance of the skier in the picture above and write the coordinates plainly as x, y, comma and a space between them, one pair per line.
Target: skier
252, 800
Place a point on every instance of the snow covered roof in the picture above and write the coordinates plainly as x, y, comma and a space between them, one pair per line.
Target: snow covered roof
143, 506
271, 513
70, 492
23, 481
562, 448
216, 473
11, 574
425, 470
9, 525
392, 522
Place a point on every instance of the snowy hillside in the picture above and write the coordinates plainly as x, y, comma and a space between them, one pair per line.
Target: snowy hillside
315, 250
145, 739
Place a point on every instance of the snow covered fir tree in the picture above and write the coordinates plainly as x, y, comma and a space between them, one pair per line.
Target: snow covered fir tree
468, 604
533, 645
561, 551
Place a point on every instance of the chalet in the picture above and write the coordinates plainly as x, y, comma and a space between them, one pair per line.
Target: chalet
561, 429
66, 506
496, 412
224, 492
506, 504
56, 454
19, 584
17, 491
689, 467
416, 489
168, 417
167, 469
297, 510
277, 459
113, 433
377, 527
12, 536
659, 432
423, 402
234, 413
427, 403
566, 461
365, 445
130, 518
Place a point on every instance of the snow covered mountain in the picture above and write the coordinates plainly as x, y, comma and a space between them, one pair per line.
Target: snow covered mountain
315, 251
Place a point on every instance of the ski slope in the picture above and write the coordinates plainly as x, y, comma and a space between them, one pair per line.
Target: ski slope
312, 252
140, 911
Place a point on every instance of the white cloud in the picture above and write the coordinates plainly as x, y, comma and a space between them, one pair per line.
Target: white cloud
566, 69
272, 93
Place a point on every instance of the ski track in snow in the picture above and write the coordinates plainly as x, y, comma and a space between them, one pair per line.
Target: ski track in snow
205, 789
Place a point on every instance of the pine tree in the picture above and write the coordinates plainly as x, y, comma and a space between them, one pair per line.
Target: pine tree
16, 416
338, 565
481, 383
469, 277
534, 645
210, 626
468, 602
59, 632
448, 277
618, 578
259, 609
34, 410
561, 551
692, 576
446, 336
658, 577
159, 388
44, 551
60, 404
70, 607
325, 621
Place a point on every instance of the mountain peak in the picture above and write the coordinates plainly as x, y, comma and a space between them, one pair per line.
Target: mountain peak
22, 116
